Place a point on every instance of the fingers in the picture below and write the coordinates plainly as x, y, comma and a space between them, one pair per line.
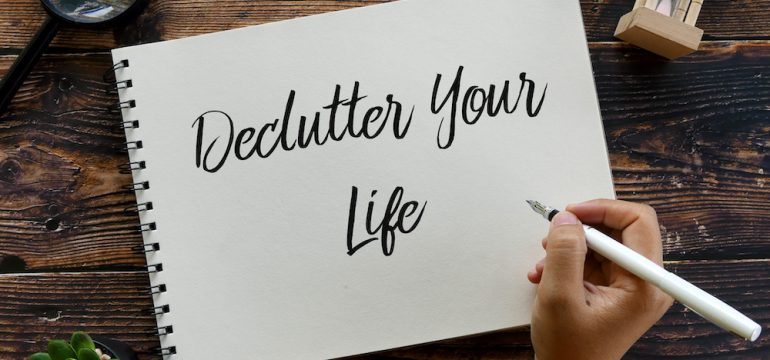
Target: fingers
534, 276
536, 273
615, 214
562, 277
638, 224
593, 271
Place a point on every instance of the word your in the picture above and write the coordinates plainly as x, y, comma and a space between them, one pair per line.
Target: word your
287, 135
476, 101
387, 226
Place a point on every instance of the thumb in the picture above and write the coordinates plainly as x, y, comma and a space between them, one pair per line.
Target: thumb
564, 260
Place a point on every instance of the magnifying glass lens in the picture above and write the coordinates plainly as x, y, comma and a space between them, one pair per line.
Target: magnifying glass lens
87, 11
75, 12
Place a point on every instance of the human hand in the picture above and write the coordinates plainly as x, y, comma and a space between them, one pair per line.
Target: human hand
587, 307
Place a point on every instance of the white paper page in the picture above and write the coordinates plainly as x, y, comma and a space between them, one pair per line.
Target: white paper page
255, 255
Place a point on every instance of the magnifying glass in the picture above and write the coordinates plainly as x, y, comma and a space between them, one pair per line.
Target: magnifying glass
76, 12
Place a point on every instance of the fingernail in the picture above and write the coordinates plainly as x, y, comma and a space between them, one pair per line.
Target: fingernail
565, 218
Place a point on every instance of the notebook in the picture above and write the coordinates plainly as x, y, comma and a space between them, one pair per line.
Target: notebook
356, 181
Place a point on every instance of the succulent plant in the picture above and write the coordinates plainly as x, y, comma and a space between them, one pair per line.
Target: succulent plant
80, 347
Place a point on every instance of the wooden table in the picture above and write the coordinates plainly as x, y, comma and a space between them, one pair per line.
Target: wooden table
690, 137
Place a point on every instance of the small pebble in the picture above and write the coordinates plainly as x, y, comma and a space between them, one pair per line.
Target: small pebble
102, 355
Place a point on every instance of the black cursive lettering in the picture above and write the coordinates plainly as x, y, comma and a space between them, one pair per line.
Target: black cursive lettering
476, 102
280, 133
393, 219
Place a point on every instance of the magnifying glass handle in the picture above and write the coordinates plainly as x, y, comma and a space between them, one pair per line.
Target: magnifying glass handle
26, 61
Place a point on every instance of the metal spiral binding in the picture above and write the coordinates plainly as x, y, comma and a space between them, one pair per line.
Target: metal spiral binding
154, 268
171, 350
163, 330
147, 248
135, 209
160, 310
132, 124
124, 148
128, 168
138, 208
125, 84
128, 104
139, 186
109, 75
147, 227
156, 289
146, 206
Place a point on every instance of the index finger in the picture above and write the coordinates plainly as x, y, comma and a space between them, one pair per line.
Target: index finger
638, 223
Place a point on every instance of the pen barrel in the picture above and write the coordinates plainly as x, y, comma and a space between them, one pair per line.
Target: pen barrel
710, 308
701, 302
624, 257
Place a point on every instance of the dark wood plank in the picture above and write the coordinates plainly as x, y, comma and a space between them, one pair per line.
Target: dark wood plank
36, 308
161, 20
719, 19
167, 19
680, 334
61, 199
511, 344
692, 139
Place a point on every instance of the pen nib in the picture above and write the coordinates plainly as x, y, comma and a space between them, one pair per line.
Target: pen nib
541, 209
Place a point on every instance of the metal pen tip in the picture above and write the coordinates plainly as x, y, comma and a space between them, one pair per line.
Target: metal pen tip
536, 206
541, 209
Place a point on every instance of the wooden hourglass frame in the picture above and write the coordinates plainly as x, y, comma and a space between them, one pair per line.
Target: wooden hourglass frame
669, 36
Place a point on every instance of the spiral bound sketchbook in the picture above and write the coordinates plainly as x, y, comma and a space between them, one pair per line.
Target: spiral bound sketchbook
356, 181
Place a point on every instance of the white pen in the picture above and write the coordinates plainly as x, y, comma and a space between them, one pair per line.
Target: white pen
699, 301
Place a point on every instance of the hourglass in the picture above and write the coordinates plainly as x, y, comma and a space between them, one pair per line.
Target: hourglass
665, 27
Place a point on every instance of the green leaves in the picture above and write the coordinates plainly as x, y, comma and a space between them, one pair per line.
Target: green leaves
60, 350
88, 354
81, 340
39, 356
80, 347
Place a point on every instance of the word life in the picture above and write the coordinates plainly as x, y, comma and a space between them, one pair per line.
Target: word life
393, 219
289, 133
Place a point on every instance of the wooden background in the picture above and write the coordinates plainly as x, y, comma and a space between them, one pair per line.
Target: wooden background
689, 137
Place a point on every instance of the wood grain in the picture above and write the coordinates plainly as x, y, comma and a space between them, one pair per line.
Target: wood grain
35, 308
685, 335
61, 199
689, 137
696, 151
719, 19
680, 334
165, 20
